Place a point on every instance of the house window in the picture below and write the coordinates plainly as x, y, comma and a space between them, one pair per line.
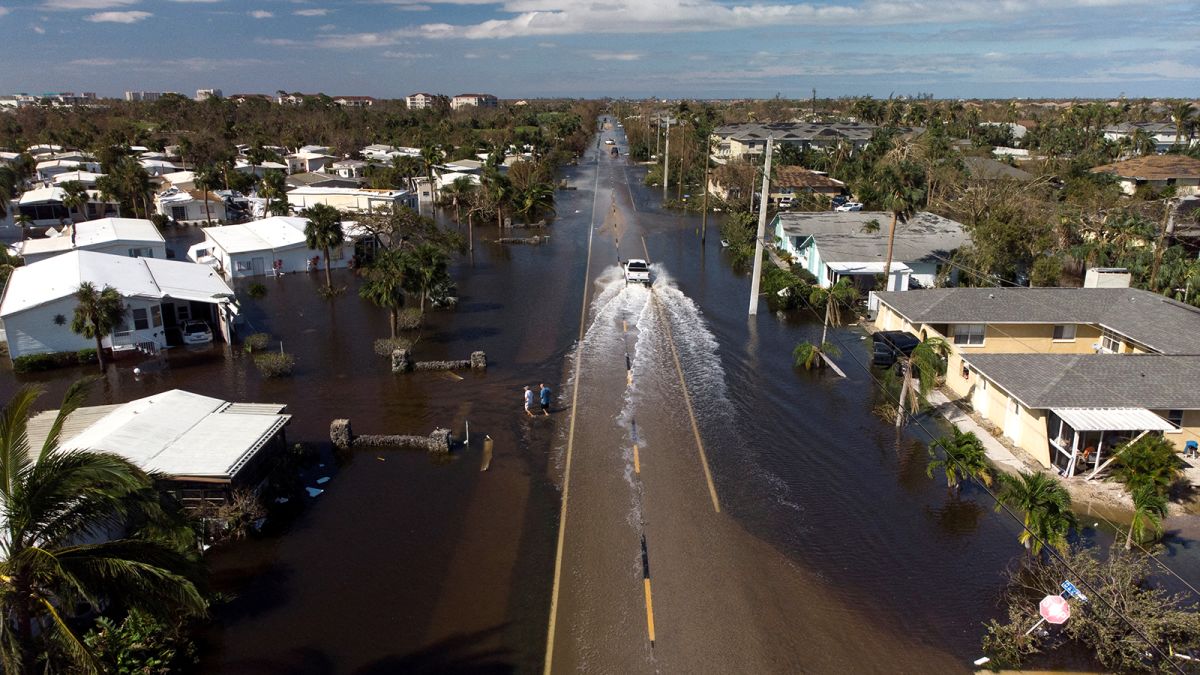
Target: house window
1064, 333
178, 213
1110, 343
156, 316
337, 253
183, 312
141, 253
140, 320
201, 252
241, 265
970, 334
1175, 417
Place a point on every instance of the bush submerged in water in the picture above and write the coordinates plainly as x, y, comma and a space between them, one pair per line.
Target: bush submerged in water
255, 342
385, 346
275, 364
34, 363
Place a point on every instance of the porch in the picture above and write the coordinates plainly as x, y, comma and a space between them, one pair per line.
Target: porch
1083, 440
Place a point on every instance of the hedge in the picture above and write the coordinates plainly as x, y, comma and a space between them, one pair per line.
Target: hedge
34, 363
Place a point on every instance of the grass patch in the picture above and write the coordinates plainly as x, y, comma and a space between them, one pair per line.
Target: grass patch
255, 342
385, 346
275, 364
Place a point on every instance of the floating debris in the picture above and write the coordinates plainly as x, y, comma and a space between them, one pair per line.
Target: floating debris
322, 480
313, 492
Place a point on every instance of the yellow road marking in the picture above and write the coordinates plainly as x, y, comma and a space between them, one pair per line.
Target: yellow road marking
649, 611
687, 399
637, 463
562, 518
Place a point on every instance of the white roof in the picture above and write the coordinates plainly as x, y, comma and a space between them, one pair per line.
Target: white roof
274, 233
448, 178
59, 163
94, 233
156, 163
1113, 419
179, 433
59, 277
45, 194
8, 156
176, 177
79, 176
361, 192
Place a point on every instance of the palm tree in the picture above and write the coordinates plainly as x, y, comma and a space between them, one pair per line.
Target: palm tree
431, 156
459, 192
97, 313
1046, 505
273, 189
902, 188
425, 267
533, 200
75, 198
1143, 142
808, 354
384, 283
965, 458
1183, 115
55, 499
8, 189
23, 221
1149, 508
204, 179
323, 231
921, 369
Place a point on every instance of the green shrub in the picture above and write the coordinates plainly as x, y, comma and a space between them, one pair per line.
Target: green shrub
140, 644
35, 363
408, 319
275, 364
385, 346
255, 342
257, 291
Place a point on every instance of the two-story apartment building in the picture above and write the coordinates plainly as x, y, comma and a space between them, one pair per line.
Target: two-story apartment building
1066, 374
738, 140
473, 100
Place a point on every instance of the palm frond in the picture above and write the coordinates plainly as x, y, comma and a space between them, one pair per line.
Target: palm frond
75, 397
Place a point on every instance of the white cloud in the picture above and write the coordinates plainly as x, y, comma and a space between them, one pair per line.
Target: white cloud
615, 56
311, 12
408, 56
88, 4
119, 17
415, 8
1165, 69
278, 42
262, 14
39, 30
199, 2
3, 11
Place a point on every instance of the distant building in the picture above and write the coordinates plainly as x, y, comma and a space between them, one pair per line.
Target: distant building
476, 100
738, 140
361, 200
136, 238
420, 101
143, 95
1164, 134
272, 245
17, 101
205, 94
1157, 172
354, 101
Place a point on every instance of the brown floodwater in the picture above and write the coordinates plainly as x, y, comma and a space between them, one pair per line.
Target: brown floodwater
407, 563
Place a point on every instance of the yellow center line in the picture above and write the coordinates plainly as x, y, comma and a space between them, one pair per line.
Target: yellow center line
637, 463
649, 612
562, 518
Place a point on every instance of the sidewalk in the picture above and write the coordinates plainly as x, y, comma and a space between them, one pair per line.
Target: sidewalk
997, 454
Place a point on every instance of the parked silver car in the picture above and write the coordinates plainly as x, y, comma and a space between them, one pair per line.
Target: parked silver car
196, 332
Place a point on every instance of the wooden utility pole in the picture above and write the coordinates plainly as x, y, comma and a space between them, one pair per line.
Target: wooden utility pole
762, 227
667, 161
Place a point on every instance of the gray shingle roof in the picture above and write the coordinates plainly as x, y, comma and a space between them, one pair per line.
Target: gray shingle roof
796, 131
1155, 321
1155, 381
985, 168
840, 237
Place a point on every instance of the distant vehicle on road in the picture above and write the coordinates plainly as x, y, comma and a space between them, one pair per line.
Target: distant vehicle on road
849, 206
609, 141
196, 332
890, 345
637, 271
785, 202
838, 200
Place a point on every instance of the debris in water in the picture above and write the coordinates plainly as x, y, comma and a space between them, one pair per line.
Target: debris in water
281, 500
322, 480
487, 453
381, 459
313, 492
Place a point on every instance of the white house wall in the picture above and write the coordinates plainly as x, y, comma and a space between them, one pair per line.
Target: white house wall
293, 260
35, 331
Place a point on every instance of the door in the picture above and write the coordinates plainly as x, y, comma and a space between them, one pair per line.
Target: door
979, 396
258, 266
1012, 422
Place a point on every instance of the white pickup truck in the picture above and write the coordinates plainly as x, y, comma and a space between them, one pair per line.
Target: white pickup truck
637, 271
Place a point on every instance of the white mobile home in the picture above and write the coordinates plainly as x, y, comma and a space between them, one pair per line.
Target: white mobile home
39, 301
359, 200
132, 237
272, 245
188, 207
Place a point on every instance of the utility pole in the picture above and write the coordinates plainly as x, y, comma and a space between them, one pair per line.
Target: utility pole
762, 227
814, 102
704, 199
667, 161
657, 136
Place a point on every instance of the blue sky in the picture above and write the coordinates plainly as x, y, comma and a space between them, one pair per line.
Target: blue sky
586, 48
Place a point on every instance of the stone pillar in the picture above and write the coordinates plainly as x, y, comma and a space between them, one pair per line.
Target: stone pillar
478, 361
439, 441
402, 361
340, 434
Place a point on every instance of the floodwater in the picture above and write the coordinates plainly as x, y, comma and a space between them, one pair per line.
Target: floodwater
406, 563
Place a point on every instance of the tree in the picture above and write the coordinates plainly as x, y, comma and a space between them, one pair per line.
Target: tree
834, 301
75, 198
808, 354
204, 179
8, 189
1143, 142
426, 267
921, 368
1046, 505
1150, 461
273, 189
1149, 508
902, 187
323, 232
97, 313
1183, 114
459, 192
384, 283
965, 458
54, 499
533, 200
431, 157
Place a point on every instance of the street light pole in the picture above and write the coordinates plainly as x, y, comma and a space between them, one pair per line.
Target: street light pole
704, 199
667, 161
762, 227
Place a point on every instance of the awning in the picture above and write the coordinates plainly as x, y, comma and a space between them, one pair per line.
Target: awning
852, 268
1112, 419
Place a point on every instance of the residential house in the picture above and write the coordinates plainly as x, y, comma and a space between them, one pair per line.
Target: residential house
347, 168
45, 206
420, 101
86, 178
39, 301
274, 245
988, 169
360, 200
118, 236
184, 180
473, 100
246, 166
199, 448
158, 167
791, 182
1156, 172
191, 207
832, 245
308, 161
40, 150
1165, 134
739, 140
354, 101
205, 94
379, 151
1066, 374
48, 169
303, 180
9, 157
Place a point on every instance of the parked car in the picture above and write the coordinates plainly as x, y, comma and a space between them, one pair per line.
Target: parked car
849, 206
196, 332
838, 200
785, 202
609, 141
889, 345
637, 271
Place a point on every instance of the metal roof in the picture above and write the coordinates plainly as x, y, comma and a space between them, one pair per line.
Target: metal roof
96, 233
925, 237
1113, 419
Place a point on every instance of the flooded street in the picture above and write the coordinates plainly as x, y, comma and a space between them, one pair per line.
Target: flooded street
800, 536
